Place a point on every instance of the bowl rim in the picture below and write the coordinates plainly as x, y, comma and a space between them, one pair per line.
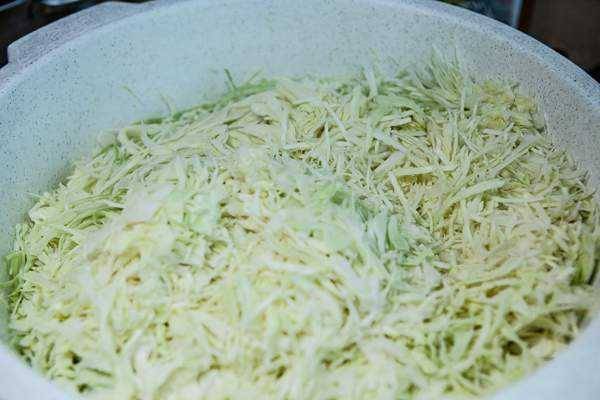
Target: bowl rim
42, 44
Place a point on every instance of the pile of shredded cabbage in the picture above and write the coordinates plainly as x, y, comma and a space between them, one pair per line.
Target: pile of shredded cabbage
412, 237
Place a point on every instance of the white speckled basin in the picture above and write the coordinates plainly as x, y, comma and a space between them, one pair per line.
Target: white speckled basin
65, 83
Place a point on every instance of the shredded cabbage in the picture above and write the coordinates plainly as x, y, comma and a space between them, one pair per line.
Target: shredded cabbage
412, 237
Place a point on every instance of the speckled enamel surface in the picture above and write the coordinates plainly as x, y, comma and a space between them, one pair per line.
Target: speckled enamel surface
116, 63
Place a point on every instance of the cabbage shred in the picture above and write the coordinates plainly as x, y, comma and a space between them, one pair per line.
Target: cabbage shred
412, 237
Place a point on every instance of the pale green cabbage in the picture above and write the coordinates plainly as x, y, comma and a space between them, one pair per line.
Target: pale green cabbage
413, 237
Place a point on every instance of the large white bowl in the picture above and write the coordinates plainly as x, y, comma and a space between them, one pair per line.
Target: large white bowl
67, 81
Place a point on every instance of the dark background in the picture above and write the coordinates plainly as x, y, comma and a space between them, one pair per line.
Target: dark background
571, 27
